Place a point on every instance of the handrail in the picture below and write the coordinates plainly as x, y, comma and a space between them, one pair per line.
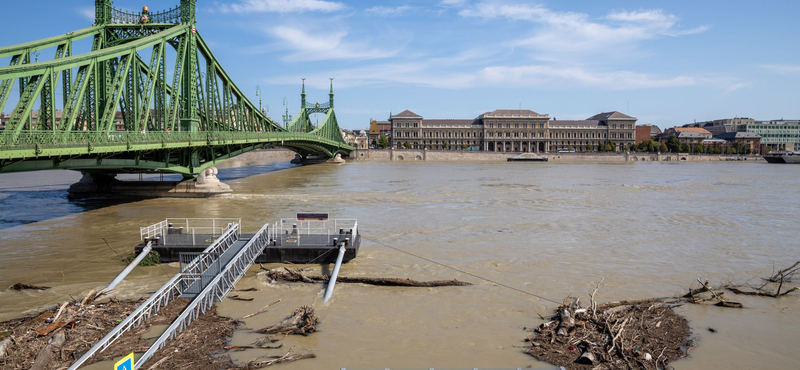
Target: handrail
168, 292
216, 290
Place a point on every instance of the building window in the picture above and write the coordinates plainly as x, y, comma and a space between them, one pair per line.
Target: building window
491, 125
516, 124
415, 124
524, 124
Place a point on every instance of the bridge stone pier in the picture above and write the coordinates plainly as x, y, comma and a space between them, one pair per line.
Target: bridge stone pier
100, 184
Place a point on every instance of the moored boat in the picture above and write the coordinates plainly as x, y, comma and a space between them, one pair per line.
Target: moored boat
783, 157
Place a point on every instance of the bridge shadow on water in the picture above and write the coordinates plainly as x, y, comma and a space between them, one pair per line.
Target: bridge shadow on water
24, 200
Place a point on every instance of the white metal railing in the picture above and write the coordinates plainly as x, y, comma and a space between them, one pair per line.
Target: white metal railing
188, 226
216, 290
329, 227
168, 292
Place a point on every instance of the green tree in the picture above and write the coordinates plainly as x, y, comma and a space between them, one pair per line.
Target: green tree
608, 148
684, 148
407, 145
673, 144
447, 145
383, 141
663, 148
698, 148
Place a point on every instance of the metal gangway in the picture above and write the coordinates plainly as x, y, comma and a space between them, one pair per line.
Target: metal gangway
228, 258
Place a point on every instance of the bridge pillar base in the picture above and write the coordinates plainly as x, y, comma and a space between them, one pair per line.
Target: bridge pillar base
298, 159
99, 185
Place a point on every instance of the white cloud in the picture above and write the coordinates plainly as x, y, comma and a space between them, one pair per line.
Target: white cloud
783, 68
570, 32
388, 11
87, 13
324, 46
453, 3
281, 6
532, 77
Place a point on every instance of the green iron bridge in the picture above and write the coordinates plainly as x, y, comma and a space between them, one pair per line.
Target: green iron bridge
184, 124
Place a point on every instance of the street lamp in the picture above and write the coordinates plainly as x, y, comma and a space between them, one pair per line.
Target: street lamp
258, 94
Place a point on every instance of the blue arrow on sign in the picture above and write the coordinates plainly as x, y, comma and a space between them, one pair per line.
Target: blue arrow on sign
125, 364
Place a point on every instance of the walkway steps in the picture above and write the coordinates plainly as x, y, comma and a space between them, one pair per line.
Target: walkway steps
172, 290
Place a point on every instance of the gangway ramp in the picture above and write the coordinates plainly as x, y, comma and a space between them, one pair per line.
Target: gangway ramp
215, 291
233, 256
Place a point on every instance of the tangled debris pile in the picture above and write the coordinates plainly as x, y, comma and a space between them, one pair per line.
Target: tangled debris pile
55, 338
640, 336
302, 321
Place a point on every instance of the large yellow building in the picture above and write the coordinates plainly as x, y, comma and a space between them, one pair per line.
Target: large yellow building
513, 130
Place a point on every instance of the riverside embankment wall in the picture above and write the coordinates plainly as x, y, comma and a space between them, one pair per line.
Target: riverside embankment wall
437, 155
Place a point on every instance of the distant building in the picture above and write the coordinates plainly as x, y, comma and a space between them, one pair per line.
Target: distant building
776, 135
378, 129
719, 126
686, 135
749, 140
513, 130
646, 131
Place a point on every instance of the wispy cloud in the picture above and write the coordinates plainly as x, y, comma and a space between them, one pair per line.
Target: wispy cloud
324, 46
572, 32
87, 13
783, 68
422, 74
387, 11
281, 6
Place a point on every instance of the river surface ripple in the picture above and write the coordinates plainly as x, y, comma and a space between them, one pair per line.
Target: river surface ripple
550, 229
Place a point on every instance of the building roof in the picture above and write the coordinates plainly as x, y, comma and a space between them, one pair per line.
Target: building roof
512, 113
739, 135
696, 130
575, 123
611, 115
448, 122
407, 114
692, 134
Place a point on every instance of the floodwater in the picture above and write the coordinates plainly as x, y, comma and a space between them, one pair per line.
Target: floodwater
548, 229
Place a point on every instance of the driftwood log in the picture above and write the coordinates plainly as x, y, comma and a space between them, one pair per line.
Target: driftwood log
21, 286
288, 357
285, 274
47, 354
302, 322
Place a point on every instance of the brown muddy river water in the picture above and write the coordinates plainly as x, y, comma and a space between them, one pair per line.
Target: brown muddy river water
551, 229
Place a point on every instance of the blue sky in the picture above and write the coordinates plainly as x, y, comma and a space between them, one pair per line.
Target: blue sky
664, 62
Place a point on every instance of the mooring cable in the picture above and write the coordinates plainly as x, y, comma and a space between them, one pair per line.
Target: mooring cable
462, 271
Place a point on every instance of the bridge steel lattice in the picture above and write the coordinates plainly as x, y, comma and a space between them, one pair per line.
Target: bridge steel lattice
180, 111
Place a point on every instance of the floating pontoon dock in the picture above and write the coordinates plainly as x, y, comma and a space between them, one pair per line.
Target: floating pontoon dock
299, 240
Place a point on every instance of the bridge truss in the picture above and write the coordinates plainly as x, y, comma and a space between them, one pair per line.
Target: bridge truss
149, 96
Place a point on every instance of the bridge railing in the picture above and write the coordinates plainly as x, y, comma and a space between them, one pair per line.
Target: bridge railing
170, 291
44, 138
216, 290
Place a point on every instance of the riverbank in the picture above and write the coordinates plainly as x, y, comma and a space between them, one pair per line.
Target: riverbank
447, 155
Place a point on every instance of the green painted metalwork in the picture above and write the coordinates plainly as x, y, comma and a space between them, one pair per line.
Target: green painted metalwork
120, 113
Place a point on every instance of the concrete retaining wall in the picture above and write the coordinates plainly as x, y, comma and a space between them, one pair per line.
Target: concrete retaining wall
437, 155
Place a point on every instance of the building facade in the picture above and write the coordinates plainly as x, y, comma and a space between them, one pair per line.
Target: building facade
378, 129
513, 130
647, 131
778, 135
